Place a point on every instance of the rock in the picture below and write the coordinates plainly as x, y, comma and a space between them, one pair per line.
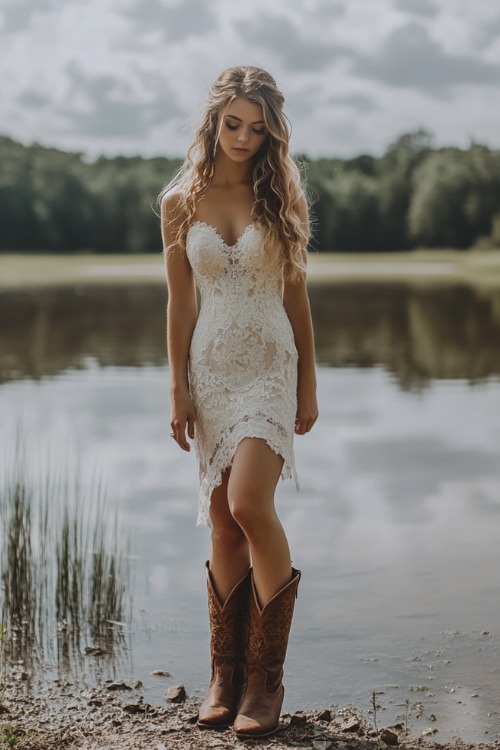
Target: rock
138, 684
350, 725
325, 715
94, 651
176, 694
389, 737
4, 709
135, 708
299, 719
117, 685
322, 744
161, 673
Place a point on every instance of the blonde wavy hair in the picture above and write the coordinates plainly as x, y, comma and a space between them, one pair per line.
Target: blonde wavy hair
278, 195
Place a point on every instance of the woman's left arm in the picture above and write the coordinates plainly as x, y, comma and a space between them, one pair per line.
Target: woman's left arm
296, 303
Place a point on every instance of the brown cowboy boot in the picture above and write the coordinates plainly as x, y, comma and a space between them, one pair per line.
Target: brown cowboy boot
260, 708
228, 640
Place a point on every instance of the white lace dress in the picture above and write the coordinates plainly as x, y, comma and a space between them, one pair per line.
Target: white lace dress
243, 359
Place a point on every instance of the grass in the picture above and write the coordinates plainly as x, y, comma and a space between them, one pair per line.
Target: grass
65, 567
34, 270
8, 738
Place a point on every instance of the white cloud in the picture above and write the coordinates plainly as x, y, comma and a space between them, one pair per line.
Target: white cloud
409, 58
130, 76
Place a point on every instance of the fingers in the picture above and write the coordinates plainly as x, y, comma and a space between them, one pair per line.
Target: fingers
180, 438
178, 433
304, 425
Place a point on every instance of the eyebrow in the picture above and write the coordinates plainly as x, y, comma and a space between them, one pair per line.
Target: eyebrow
257, 122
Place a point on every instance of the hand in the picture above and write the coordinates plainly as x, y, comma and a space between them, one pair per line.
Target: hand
183, 417
307, 410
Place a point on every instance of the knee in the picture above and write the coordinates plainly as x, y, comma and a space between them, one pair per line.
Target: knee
249, 514
226, 532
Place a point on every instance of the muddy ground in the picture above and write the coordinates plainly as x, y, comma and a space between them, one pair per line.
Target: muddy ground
116, 717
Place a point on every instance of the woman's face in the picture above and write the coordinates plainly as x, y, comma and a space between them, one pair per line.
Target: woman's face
241, 129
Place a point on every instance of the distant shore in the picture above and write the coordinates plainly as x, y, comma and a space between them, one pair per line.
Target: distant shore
478, 267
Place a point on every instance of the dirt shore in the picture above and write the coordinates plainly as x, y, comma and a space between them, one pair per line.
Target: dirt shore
116, 717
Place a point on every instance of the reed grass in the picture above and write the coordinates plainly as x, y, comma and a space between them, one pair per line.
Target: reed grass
65, 562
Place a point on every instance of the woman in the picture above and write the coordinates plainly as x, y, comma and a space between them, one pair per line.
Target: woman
235, 227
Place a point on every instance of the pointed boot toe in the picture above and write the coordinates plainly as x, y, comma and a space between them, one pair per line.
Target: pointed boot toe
260, 708
259, 713
228, 641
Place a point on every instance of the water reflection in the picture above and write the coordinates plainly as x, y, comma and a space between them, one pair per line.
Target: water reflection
49, 330
417, 333
396, 527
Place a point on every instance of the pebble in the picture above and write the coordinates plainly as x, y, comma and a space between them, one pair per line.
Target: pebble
351, 725
325, 715
298, 719
176, 694
117, 685
389, 737
135, 708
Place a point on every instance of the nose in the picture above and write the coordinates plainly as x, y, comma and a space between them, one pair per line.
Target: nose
243, 135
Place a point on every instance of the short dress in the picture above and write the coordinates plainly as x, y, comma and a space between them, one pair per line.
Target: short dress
243, 358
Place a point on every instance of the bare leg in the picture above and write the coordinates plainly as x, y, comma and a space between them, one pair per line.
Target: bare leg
230, 556
250, 491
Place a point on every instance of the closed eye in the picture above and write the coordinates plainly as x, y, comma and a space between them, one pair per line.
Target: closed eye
257, 131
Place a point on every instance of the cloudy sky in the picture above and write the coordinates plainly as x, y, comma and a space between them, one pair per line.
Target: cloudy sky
130, 76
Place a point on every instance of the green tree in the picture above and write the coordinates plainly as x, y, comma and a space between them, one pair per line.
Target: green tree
454, 197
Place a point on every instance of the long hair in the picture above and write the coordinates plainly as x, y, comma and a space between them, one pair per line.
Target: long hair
278, 193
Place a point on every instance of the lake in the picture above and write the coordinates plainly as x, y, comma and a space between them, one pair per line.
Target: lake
397, 522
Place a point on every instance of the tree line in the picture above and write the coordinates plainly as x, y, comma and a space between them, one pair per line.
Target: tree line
412, 196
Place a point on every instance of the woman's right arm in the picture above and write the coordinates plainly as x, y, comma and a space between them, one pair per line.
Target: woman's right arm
182, 313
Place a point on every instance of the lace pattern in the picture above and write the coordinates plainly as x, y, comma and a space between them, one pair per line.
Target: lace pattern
243, 359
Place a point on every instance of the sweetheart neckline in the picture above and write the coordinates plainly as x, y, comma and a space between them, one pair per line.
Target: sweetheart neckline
200, 222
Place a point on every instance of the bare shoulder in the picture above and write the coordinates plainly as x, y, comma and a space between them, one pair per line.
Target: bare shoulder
173, 213
172, 207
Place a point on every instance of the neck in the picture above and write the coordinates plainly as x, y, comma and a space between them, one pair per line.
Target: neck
227, 172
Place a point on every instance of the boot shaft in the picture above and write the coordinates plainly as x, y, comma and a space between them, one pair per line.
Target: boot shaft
228, 621
270, 627
260, 708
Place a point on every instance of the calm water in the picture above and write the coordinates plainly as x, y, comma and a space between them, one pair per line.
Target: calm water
397, 523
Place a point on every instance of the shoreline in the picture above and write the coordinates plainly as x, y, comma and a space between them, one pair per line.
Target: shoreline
115, 716
478, 267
